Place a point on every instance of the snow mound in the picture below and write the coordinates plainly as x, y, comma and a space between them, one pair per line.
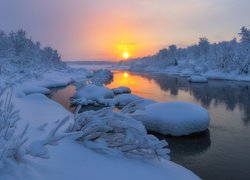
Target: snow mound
124, 99
91, 94
30, 89
121, 90
174, 118
198, 79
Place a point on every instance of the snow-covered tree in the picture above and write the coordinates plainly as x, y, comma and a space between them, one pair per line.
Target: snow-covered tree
204, 47
245, 36
18, 53
173, 55
225, 56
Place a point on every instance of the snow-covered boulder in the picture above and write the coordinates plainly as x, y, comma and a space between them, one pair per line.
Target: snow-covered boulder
174, 118
197, 79
124, 99
121, 90
91, 94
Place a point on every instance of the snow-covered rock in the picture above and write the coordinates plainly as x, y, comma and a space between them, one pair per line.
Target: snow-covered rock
197, 79
124, 99
91, 93
121, 90
174, 118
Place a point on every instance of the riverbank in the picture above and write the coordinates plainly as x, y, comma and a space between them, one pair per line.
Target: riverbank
68, 158
183, 72
228, 104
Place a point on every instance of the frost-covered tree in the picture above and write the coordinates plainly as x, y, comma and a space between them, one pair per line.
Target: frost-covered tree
225, 56
18, 53
204, 47
245, 36
173, 54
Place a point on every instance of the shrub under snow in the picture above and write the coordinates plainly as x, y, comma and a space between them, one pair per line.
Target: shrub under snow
13, 145
111, 132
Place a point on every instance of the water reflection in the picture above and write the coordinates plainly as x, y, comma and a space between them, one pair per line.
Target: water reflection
228, 93
187, 145
209, 155
62, 96
228, 140
163, 87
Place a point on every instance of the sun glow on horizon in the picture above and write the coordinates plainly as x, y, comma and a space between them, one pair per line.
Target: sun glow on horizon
125, 55
125, 74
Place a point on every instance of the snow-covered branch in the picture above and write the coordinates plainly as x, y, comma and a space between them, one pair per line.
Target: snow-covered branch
111, 132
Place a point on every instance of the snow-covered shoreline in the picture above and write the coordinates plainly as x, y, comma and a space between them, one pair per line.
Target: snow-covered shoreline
68, 159
227, 60
173, 71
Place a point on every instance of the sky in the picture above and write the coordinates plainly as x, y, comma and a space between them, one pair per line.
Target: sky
105, 29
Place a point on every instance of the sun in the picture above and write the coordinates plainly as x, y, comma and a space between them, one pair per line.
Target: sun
125, 55
125, 74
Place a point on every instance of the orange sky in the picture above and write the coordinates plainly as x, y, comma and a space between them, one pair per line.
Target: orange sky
104, 29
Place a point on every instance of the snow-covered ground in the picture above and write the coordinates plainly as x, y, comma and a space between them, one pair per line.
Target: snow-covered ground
90, 66
66, 158
71, 160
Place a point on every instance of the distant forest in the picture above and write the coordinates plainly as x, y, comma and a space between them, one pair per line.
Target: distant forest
19, 54
226, 56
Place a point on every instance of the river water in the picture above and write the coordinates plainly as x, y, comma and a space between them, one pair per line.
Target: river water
222, 152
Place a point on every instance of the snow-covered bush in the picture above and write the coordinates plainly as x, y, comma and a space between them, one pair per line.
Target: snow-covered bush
111, 132
38, 148
13, 145
102, 76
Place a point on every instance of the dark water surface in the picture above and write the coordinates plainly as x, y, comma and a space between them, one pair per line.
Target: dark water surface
222, 152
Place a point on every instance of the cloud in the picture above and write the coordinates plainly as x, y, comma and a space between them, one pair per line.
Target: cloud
83, 29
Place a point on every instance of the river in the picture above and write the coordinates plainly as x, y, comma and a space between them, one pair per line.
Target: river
222, 152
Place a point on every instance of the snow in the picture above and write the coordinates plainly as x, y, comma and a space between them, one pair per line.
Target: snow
90, 66
71, 160
92, 93
124, 99
197, 79
174, 118
121, 90
49, 80
30, 89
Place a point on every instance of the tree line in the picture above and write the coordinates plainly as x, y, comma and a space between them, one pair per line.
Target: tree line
225, 56
20, 54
